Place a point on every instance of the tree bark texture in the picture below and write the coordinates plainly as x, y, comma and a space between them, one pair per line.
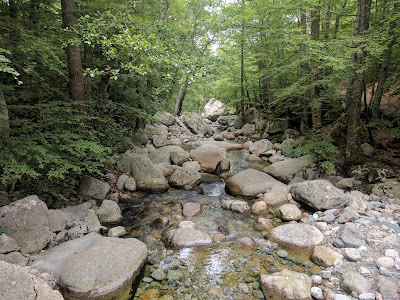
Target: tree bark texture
73, 52
179, 100
315, 88
304, 67
4, 119
355, 86
242, 92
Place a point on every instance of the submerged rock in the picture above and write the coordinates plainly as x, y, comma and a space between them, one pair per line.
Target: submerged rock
286, 285
188, 237
95, 267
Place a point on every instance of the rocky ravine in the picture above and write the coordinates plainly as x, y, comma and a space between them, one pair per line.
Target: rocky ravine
280, 233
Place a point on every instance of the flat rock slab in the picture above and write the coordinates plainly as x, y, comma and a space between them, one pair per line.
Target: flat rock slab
26, 221
163, 154
95, 267
188, 237
319, 194
225, 145
251, 182
16, 283
348, 236
191, 209
93, 188
286, 170
301, 238
286, 285
354, 282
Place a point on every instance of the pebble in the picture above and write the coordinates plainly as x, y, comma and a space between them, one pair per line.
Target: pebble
391, 253
352, 254
385, 262
258, 294
367, 296
325, 274
316, 293
397, 263
243, 288
159, 275
282, 253
316, 279
364, 271
384, 271
341, 297
147, 279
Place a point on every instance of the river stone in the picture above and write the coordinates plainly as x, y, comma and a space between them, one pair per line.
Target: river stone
188, 237
259, 207
287, 169
117, 231
130, 184
185, 176
159, 275
196, 124
319, 194
57, 220
385, 262
286, 284
352, 281
213, 109
160, 141
17, 283
325, 256
277, 195
251, 182
348, 236
224, 145
121, 182
386, 286
92, 222
93, 188
147, 176
278, 125
94, 267
290, 212
192, 164
346, 183
367, 149
77, 231
208, 157
15, 258
390, 189
109, 212
76, 213
352, 254
163, 154
260, 147
299, 237
7, 243
26, 221
239, 206
151, 130
179, 157
348, 214
187, 224
191, 209
165, 118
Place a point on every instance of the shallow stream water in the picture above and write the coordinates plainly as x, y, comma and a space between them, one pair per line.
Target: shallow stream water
223, 270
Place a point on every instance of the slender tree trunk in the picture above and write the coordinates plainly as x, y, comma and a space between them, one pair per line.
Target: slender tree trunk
315, 88
163, 16
383, 71
103, 86
242, 91
4, 119
179, 100
355, 86
304, 114
338, 20
73, 53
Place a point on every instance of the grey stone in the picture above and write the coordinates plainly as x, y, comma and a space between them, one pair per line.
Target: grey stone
174, 275
319, 194
77, 231
109, 212
26, 221
93, 188
352, 254
208, 156
352, 281
130, 184
7, 243
76, 213
57, 220
188, 237
390, 189
367, 296
185, 176
386, 286
341, 297
316, 293
196, 124
260, 147
248, 129
290, 212
117, 231
160, 141
346, 183
238, 206
286, 285
92, 222
348, 236
349, 214
15, 258
94, 267
165, 118
159, 275
278, 125
286, 170
243, 288
179, 157
367, 149
121, 182
251, 182
17, 283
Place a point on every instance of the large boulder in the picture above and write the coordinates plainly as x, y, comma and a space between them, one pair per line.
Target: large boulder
188, 237
225, 145
348, 236
147, 176
26, 221
165, 118
251, 182
163, 154
208, 156
286, 170
299, 238
17, 283
93, 188
390, 189
185, 176
95, 267
285, 285
279, 125
151, 130
109, 212
196, 124
226, 120
261, 147
248, 129
319, 194
213, 109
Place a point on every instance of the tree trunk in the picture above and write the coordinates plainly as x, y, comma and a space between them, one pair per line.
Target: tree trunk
179, 100
73, 53
242, 92
383, 71
163, 16
337, 21
304, 114
4, 119
355, 86
103, 86
315, 89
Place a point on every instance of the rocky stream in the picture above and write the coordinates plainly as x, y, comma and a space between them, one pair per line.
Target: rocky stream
207, 209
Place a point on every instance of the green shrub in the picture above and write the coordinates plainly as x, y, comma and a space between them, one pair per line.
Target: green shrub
2, 230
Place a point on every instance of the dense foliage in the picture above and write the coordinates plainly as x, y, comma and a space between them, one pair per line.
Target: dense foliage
287, 59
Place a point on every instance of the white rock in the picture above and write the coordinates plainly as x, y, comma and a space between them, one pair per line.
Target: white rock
316, 293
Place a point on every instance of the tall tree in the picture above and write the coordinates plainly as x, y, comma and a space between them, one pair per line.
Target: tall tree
73, 52
355, 85
315, 88
4, 124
